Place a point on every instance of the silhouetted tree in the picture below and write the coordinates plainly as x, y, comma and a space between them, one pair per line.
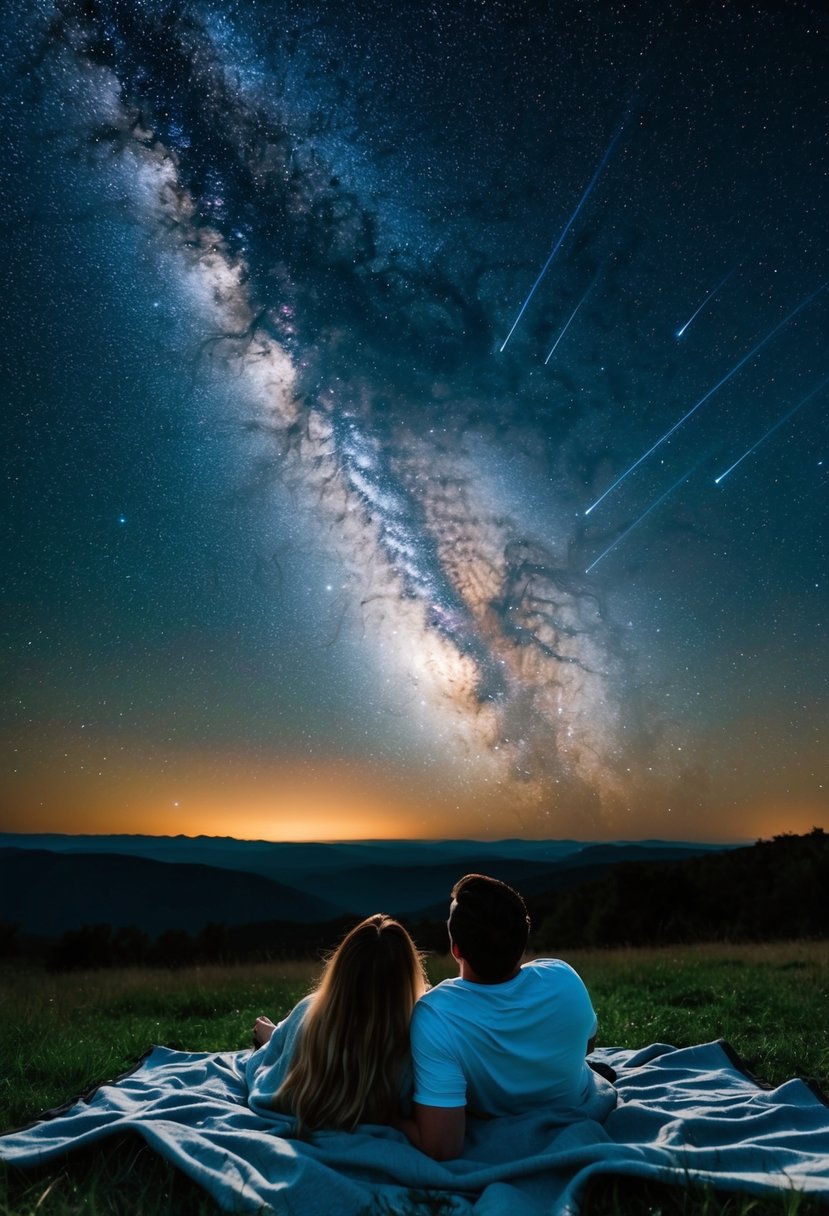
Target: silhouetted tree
213, 945
174, 948
9, 941
431, 936
130, 947
88, 947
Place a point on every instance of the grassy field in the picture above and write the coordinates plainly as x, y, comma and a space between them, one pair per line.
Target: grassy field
61, 1032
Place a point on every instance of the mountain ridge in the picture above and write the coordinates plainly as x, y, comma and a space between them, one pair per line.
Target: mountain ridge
159, 883
48, 893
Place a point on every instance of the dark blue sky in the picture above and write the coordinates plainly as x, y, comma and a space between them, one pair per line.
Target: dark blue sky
299, 538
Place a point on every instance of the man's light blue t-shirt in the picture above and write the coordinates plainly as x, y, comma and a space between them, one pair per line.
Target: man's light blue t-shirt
505, 1048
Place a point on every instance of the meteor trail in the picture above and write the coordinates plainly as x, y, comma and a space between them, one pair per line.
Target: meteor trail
771, 430
710, 296
567, 227
644, 514
710, 393
570, 319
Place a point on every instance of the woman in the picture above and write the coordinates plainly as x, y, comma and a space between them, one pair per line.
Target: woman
341, 1057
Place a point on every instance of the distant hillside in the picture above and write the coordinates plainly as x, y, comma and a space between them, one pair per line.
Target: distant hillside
408, 890
299, 862
773, 890
48, 893
171, 911
532, 879
403, 877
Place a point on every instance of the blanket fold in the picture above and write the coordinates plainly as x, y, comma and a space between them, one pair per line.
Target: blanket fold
690, 1115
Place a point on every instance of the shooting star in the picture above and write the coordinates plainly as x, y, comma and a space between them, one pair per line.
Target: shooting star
570, 319
644, 515
710, 296
568, 226
772, 429
709, 394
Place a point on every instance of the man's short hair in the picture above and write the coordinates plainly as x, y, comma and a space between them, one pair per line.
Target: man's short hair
488, 922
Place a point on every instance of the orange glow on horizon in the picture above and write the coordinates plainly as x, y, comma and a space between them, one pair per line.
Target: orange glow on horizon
224, 796
775, 818
223, 793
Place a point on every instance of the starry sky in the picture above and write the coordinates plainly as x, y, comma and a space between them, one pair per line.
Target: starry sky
415, 418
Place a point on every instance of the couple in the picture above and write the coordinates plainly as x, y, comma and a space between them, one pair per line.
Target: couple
372, 1041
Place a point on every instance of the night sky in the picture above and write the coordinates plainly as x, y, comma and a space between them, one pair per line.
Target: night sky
415, 418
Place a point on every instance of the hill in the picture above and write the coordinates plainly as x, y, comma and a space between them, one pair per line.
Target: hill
410, 878
110, 907
772, 890
49, 893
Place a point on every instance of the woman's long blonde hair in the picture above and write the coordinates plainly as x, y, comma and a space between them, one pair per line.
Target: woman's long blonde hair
354, 1040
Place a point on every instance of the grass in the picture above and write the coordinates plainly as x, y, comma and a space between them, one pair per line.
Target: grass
61, 1032
770, 1001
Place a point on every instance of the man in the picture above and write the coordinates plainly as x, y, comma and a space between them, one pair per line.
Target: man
501, 1038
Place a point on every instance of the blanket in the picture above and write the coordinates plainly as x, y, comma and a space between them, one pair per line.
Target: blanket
689, 1115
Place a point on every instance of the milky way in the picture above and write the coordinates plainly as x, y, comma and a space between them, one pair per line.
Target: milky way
352, 281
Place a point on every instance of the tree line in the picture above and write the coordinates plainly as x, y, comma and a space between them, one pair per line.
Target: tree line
104, 945
773, 890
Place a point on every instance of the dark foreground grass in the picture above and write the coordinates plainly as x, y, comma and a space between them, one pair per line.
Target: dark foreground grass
60, 1033
770, 1002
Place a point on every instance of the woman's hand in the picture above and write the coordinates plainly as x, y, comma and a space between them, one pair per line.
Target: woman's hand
262, 1031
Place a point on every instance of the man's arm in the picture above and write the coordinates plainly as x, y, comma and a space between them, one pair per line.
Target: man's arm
437, 1131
